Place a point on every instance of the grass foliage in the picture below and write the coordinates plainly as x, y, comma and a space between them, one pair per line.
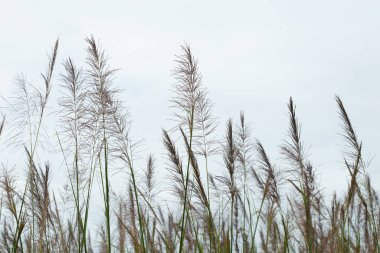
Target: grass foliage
250, 205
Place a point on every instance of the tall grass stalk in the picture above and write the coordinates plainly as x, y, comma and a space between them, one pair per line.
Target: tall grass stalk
241, 203
41, 98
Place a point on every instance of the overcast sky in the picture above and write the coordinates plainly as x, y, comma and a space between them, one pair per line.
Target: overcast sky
253, 55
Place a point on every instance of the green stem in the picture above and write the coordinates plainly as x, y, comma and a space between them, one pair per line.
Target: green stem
184, 217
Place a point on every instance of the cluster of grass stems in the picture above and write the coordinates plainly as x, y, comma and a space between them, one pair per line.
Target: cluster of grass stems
247, 205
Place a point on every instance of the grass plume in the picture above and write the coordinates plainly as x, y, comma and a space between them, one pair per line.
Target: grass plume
241, 203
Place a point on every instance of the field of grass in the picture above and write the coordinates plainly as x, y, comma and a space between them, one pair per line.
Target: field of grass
250, 205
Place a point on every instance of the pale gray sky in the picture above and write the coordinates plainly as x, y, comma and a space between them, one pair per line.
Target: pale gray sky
253, 56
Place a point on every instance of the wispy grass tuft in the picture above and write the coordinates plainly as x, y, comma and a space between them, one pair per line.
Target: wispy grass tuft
241, 203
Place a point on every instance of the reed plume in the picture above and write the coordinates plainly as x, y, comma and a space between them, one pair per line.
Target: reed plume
247, 204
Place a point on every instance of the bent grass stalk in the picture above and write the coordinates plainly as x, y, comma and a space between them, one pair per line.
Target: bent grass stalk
295, 218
